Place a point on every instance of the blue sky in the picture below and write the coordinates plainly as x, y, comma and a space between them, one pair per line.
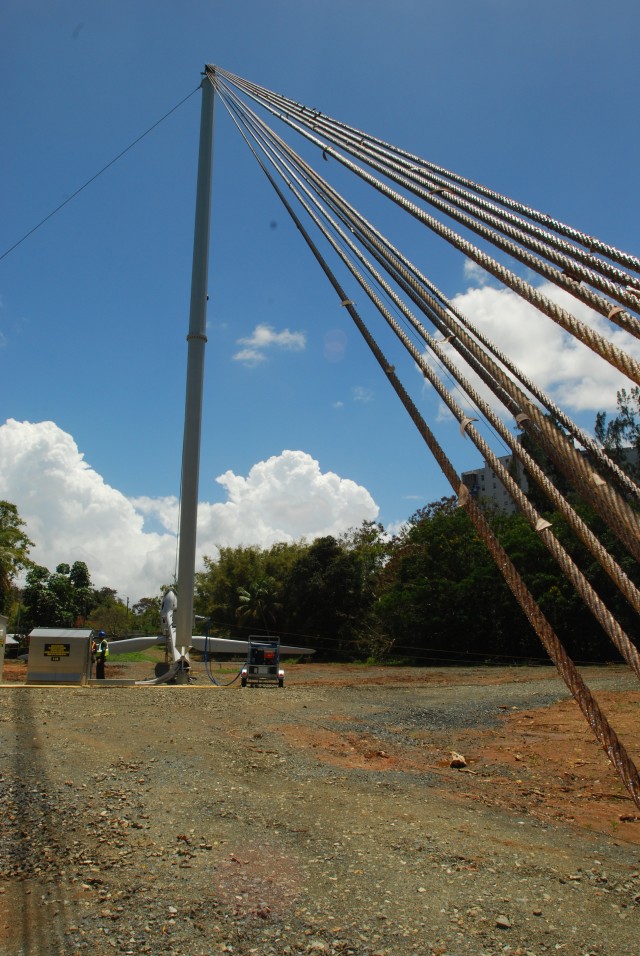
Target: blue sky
538, 101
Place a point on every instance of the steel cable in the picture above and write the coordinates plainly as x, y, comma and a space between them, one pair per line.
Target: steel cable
589, 337
611, 626
604, 498
577, 266
576, 263
597, 720
589, 242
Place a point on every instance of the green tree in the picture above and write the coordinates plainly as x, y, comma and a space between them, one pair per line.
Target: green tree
326, 600
145, 615
14, 551
239, 570
64, 598
621, 435
441, 596
258, 604
216, 594
369, 544
110, 614
40, 605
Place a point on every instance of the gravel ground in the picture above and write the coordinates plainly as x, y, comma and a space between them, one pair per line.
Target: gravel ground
323, 818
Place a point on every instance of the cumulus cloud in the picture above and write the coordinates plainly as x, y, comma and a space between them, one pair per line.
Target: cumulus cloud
283, 499
576, 378
263, 338
73, 515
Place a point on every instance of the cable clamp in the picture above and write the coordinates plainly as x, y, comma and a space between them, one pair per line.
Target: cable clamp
542, 524
571, 276
347, 302
598, 480
615, 311
447, 338
522, 418
440, 191
464, 424
463, 495
390, 369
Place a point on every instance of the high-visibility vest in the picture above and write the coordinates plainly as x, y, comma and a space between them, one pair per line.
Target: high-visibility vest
103, 648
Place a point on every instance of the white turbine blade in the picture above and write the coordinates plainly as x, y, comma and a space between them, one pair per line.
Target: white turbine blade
223, 645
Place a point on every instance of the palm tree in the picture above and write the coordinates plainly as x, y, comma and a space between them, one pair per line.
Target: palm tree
259, 602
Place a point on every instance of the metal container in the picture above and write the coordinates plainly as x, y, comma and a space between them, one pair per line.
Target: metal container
59, 656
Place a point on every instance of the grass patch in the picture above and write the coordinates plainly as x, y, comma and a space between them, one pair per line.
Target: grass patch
150, 655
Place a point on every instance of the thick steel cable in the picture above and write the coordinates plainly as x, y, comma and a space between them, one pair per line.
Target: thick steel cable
577, 264
592, 339
613, 747
575, 269
613, 509
601, 495
589, 242
569, 279
621, 580
475, 202
602, 614
585, 440
440, 299
604, 497
286, 165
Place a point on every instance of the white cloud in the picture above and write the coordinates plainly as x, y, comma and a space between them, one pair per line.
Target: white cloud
444, 414
475, 274
575, 377
250, 357
362, 394
73, 515
265, 337
283, 499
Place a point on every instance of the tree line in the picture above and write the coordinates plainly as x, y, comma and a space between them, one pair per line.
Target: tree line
430, 593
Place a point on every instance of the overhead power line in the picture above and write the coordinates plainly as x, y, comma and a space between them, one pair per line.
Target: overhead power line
96, 175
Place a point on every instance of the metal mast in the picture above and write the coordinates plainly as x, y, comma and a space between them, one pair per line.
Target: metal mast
195, 373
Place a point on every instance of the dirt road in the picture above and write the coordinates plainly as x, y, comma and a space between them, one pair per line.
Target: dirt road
322, 818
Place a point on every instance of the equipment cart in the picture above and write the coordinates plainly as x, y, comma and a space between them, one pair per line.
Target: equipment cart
263, 663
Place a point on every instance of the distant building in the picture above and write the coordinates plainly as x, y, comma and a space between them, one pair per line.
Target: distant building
485, 486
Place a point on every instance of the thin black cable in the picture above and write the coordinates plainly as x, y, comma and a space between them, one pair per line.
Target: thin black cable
96, 175
406, 651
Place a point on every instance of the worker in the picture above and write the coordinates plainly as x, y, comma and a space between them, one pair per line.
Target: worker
94, 648
102, 652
